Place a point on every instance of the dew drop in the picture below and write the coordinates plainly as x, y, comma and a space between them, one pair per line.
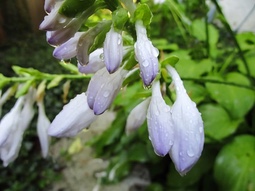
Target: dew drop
181, 153
190, 152
101, 56
106, 94
119, 41
201, 129
145, 63
62, 20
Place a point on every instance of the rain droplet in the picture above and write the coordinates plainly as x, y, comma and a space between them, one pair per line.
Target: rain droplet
101, 56
145, 63
119, 41
190, 152
201, 129
62, 20
181, 153
106, 94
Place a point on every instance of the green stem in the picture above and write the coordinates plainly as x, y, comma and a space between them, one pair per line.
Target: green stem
227, 26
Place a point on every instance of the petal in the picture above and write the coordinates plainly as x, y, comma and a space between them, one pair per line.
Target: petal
84, 43
146, 54
95, 62
188, 124
10, 120
43, 124
67, 50
137, 116
160, 124
74, 117
103, 88
113, 50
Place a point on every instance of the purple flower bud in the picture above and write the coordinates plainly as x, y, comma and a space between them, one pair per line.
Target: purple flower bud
137, 116
113, 50
43, 124
146, 54
103, 88
54, 20
49, 5
75, 116
160, 124
68, 49
188, 127
95, 62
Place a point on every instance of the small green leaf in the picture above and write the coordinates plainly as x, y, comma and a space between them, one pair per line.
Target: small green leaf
3, 81
171, 60
70, 67
24, 89
237, 100
119, 18
55, 82
235, 167
143, 13
217, 122
71, 8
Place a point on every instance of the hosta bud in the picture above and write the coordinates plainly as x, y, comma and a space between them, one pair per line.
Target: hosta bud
75, 116
188, 125
160, 124
68, 49
137, 116
113, 50
95, 62
146, 55
103, 88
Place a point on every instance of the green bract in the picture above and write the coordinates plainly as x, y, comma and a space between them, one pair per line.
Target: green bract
71, 8
143, 13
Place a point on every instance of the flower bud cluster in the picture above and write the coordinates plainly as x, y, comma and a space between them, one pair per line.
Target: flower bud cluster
16, 121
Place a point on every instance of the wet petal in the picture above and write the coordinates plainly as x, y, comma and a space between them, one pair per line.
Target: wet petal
95, 62
146, 55
75, 116
160, 124
137, 116
113, 50
188, 125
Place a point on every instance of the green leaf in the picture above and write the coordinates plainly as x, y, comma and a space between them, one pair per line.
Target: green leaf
3, 81
72, 8
138, 153
26, 71
55, 82
190, 69
196, 92
237, 100
250, 57
143, 13
235, 167
171, 60
24, 89
217, 122
119, 18
70, 67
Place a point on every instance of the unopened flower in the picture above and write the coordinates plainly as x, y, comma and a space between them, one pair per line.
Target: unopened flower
103, 88
160, 124
188, 128
75, 116
137, 116
113, 50
43, 124
10, 148
54, 20
49, 5
146, 54
95, 63
68, 49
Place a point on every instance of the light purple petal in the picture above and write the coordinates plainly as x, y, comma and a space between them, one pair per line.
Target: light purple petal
95, 62
189, 130
137, 116
75, 116
160, 124
43, 124
146, 55
113, 50
68, 49
103, 88
49, 5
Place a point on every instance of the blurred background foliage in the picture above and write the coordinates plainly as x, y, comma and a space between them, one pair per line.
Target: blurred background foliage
218, 69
